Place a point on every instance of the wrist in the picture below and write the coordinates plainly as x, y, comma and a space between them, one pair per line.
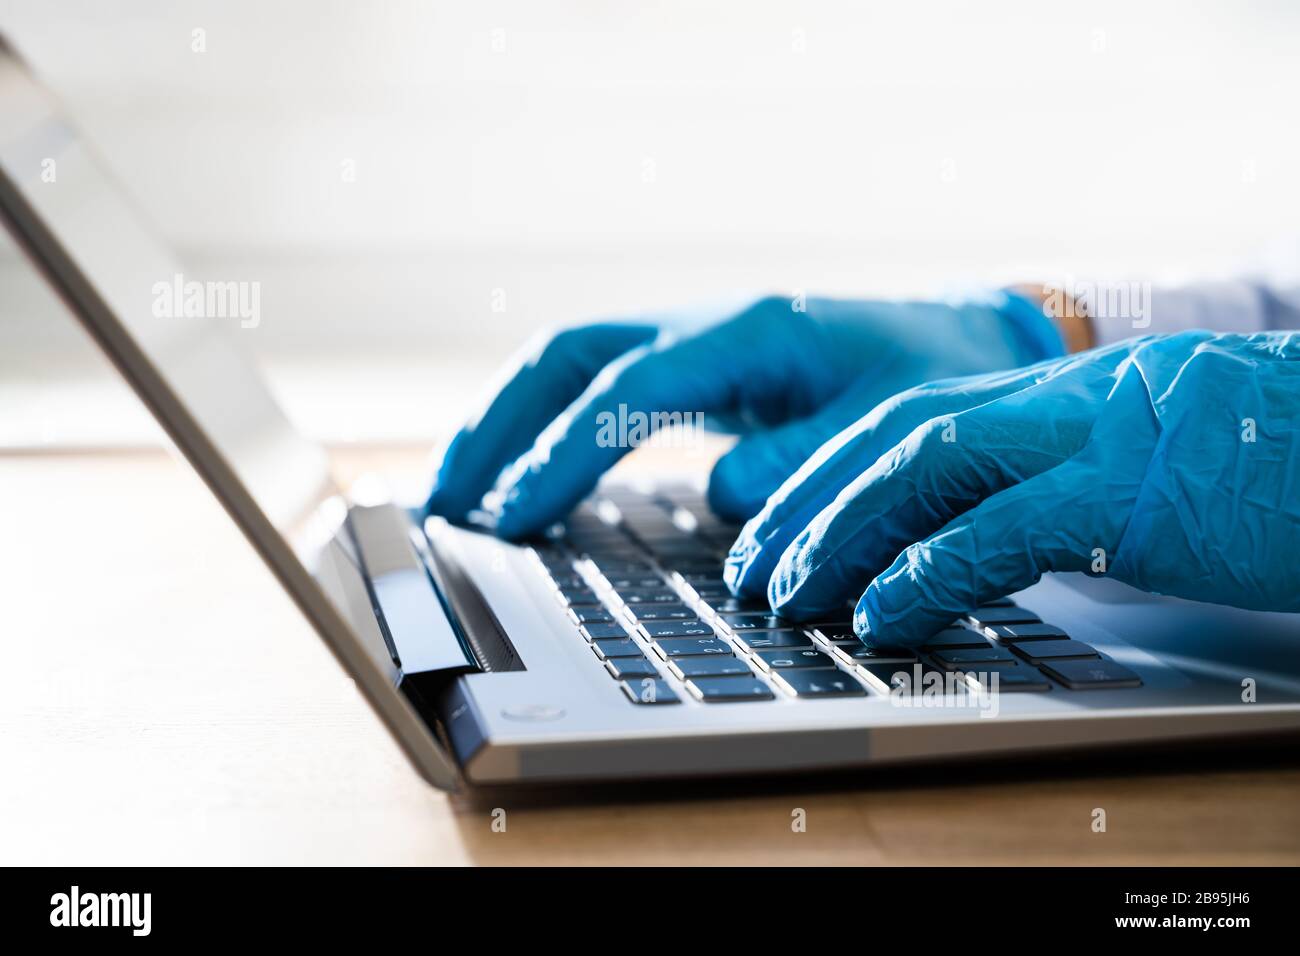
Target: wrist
1066, 312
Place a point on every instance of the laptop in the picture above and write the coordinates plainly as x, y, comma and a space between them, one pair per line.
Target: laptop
609, 649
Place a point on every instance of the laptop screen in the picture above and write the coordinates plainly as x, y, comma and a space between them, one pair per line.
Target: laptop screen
189, 330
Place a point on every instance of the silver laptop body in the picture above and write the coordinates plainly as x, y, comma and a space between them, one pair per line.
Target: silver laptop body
470, 649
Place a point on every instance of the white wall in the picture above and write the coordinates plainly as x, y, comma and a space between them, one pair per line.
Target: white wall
593, 158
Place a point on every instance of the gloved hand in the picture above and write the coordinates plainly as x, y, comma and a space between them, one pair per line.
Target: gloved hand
789, 377
1171, 463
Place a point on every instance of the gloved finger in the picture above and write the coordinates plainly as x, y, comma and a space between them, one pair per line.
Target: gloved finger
846, 456
942, 469
1059, 520
1070, 518
544, 383
668, 381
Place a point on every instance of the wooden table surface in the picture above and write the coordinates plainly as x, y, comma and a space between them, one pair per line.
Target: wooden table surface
162, 701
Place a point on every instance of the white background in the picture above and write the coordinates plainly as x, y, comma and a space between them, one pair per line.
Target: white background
591, 159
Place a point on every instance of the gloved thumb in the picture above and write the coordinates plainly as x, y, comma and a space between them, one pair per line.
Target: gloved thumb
744, 477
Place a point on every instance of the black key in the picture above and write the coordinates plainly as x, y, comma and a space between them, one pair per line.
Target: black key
578, 596
722, 529
716, 666
662, 612
884, 677
650, 596
631, 582
989, 616
666, 541
658, 629
820, 683
962, 658
723, 689
691, 646
1035, 651
705, 578
568, 580
709, 566
1011, 633
756, 622
838, 633
602, 632
758, 640
790, 658
612, 551
1092, 674
617, 648
590, 614
953, 637
735, 605
685, 550
859, 652
658, 530
1010, 679
842, 628
619, 567
650, 691
630, 668
711, 594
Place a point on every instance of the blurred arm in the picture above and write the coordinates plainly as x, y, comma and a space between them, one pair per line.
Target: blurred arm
1105, 313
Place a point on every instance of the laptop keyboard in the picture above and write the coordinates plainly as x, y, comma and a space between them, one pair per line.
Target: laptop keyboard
640, 574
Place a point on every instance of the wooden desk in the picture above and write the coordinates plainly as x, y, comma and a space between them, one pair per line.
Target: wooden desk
161, 701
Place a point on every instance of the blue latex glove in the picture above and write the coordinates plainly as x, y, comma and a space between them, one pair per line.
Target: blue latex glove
1169, 463
787, 377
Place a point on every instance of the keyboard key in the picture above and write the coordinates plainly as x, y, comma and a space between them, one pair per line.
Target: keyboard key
723, 689
735, 605
1092, 674
838, 633
885, 676
1035, 651
555, 562
1009, 679
624, 582
989, 616
711, 594
568, 580
819, 683
756, 622
601, 632
961, 658
578, 596
788, 658
1011, 633
685, 550
859, 652
999, 602
615, 567
758, 640
705, 578
631, 668
716, 666
662, 612
691, 646
590, 614
953, 637
657, 629
650, 596
616, 648
650, 691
